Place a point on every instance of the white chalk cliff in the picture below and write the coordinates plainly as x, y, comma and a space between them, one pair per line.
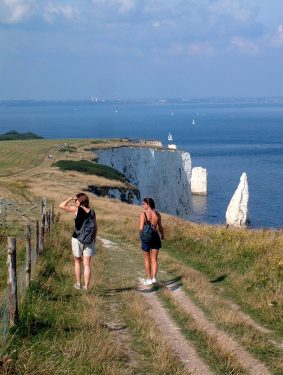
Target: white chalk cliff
237, 211
164, 175
199, 181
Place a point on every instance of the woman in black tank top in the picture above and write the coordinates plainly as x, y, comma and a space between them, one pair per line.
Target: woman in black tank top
82, 250
151, 248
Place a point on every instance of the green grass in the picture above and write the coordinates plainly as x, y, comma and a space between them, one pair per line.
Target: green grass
60, 329
90, 168
18, 155
251, 268
102, 140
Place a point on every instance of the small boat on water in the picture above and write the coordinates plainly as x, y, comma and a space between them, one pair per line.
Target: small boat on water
170, 137
193, 122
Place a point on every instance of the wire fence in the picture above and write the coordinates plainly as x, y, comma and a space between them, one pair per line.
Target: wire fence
18, 257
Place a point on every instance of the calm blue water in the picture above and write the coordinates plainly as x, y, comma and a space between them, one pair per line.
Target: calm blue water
228, 139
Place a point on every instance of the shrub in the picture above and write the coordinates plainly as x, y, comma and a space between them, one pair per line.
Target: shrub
68, 149
91, 168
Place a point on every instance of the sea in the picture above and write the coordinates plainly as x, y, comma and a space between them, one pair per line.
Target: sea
225, 136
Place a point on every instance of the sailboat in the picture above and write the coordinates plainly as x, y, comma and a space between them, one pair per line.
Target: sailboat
170, 138
193, 122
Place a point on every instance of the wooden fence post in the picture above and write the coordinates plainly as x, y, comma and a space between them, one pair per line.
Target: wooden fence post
12, 296
36, 238
46, 222
42, 234
52, 214
28, 255
3, 212
49, 222
43, 206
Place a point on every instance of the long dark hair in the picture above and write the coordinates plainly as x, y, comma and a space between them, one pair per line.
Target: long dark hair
83, 199
150, 202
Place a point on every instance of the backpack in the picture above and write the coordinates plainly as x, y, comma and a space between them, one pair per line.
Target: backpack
85, 234
146, 233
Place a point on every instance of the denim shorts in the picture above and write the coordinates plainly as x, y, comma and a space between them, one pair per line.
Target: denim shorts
155, 242
79, 249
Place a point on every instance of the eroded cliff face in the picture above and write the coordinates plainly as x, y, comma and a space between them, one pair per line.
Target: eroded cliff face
164, 175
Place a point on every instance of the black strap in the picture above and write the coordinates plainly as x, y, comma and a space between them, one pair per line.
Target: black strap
146, 219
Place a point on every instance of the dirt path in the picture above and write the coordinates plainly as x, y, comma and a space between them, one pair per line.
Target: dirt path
247, 361
180, 346
184, 349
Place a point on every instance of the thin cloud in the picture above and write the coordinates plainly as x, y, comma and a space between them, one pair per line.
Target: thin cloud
200, 49
18, 11
277, 38
163, 23
15, 11
244, 45
52, 11
123, 6
232, 9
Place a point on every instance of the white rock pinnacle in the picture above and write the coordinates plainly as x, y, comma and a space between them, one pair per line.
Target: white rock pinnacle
237, 211
199, 181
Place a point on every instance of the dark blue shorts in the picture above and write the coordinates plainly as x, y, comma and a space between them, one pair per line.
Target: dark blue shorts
155, 242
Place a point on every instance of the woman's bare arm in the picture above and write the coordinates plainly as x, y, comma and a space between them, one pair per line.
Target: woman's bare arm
65, 207
95, 228
160, 227
141, 221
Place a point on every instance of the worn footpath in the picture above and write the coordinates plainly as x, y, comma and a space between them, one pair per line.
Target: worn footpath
195, 343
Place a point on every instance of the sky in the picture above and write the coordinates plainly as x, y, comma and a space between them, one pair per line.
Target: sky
131, 49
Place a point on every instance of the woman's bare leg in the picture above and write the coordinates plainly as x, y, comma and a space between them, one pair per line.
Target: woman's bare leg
147, 266
87, 270
154, 263
78, 269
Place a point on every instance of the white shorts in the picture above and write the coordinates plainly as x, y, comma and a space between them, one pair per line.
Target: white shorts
79, 249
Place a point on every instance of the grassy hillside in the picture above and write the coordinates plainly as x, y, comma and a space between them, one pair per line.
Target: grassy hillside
13, 135
235, 276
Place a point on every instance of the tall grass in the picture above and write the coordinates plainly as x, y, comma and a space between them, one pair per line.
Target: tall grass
60, 330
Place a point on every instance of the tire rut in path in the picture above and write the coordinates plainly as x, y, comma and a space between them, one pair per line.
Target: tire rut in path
246, 360
183, 349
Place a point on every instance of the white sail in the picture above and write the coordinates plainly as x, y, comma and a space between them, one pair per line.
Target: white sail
170, 138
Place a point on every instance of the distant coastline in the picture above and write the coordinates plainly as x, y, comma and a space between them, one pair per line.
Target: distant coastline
161, 101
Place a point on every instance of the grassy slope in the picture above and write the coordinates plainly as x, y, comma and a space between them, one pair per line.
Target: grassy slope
245, 264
